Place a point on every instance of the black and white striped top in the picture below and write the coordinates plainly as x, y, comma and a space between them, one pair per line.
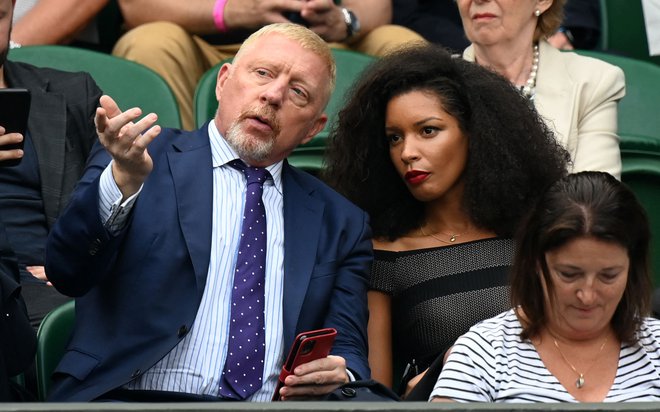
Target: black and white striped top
491, 364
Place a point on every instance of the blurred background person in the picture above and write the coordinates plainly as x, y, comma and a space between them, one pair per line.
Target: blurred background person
581, 291
437, 21
581, 26
56, 22
445, 157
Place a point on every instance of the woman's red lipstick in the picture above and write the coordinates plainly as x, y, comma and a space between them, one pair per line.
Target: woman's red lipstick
415, 177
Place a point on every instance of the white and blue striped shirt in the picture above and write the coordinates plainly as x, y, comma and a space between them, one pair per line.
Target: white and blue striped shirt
195, 365
490, 363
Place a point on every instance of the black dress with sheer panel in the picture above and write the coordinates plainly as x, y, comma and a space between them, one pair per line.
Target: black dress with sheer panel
439, 293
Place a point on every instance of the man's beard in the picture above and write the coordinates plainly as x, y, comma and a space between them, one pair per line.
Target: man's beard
249, 147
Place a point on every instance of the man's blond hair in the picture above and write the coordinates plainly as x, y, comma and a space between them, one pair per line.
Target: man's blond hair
305, 37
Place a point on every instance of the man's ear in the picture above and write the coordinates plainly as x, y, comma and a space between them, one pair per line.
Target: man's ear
319, 123
223, 75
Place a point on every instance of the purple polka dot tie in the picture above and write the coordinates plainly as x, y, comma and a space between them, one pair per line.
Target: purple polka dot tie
242, 375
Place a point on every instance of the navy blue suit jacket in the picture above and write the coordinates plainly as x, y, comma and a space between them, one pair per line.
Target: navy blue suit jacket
138, 292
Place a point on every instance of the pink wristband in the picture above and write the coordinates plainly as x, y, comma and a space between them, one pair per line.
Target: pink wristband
219, 15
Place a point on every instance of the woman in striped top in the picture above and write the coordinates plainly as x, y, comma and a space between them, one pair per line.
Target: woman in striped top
580, 289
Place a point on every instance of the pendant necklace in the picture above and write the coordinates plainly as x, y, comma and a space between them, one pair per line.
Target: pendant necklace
579, 383
452, 238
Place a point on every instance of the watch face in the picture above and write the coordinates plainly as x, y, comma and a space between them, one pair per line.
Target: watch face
355, 23
352, 22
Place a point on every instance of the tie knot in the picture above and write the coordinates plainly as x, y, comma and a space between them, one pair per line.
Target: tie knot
252, 174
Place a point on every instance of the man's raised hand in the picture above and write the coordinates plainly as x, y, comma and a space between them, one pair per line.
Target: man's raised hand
126, 141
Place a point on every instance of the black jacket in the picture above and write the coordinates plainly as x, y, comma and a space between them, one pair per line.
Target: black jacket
18, 341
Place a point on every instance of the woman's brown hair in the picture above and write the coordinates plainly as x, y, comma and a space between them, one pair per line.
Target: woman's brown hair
585, 204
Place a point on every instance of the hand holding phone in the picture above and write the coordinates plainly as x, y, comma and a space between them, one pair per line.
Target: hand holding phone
307, 346
14, 112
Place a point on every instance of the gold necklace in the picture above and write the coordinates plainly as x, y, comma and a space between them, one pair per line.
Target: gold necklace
580, 380
452, 238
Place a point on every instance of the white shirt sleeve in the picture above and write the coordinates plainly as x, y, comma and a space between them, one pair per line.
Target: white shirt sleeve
112, 210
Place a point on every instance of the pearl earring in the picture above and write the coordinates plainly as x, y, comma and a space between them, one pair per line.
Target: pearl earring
537, 12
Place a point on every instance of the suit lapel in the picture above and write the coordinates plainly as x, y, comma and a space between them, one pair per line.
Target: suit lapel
193, 187
555, 92
302, 225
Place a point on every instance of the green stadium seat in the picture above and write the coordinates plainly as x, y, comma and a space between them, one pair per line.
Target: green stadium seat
641, 172
129, 83
52, 338
639, 130
623, 29
638, 110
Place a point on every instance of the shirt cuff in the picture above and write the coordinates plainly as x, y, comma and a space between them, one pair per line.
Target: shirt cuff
114, 213
351, 377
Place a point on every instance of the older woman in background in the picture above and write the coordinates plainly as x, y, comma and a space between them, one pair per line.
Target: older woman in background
576, 95
581, 288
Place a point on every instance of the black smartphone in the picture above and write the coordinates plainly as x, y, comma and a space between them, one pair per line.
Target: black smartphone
296, 17
308, 346
14, 113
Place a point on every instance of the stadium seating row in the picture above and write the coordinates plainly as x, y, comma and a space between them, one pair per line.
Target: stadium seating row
134, 85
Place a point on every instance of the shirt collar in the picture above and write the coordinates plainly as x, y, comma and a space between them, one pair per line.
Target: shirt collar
222, 153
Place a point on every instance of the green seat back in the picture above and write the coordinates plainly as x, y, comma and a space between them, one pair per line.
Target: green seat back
623, 29
129, 83
641, 172
52, 338
309, 156
638, 110
18, 379
639, 130
205, 103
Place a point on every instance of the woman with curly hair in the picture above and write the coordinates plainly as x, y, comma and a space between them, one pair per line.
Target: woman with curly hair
445, 156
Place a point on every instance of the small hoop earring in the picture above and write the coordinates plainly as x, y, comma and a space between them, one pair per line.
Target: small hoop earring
537, 12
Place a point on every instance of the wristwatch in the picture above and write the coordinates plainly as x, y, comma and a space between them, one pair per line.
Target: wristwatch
352, 24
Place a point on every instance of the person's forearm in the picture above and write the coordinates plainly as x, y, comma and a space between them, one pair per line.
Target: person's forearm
196, 16
371, 13
379, 332
55, 21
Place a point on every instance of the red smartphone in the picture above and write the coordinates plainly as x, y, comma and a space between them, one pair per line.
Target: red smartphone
308, 346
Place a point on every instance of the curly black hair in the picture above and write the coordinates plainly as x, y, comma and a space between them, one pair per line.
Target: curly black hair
512, 155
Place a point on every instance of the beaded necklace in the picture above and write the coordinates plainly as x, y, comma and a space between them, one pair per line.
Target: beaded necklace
529, 88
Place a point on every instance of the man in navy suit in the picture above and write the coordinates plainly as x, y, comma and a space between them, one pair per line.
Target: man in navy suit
149, 241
